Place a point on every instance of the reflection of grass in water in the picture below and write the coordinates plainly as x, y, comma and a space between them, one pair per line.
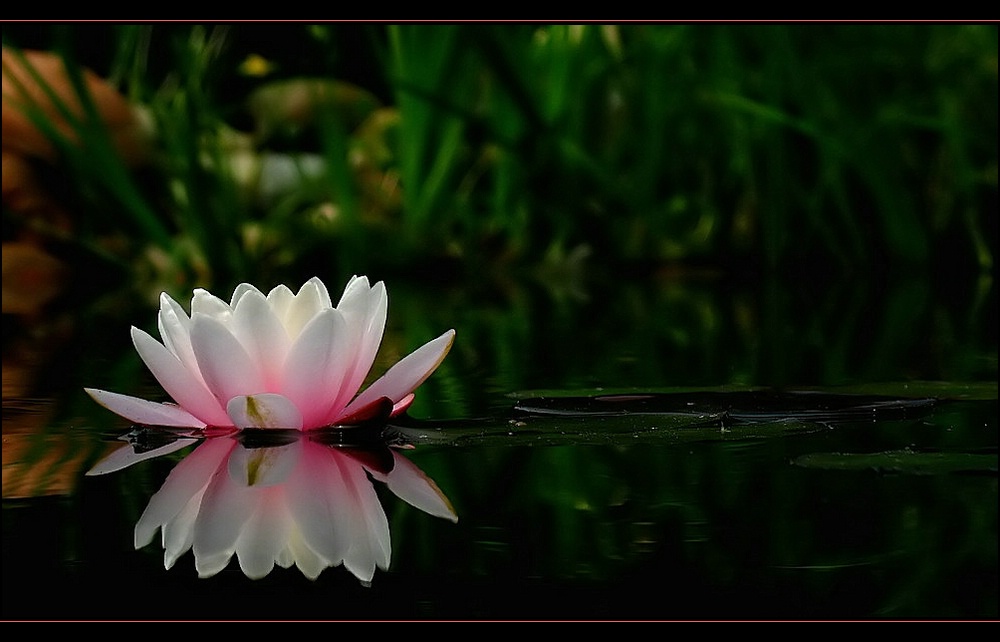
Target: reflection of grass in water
846, 146
903, 461
723, 519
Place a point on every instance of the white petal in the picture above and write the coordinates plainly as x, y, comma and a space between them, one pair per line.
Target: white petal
266, 410
175, 330
241, 290
209, 564
356, 282
306, 559
404, 377
280, 300
365, 316
141, 411
206, 303
227, 368
314, 368
357, 286
173, 322
185, 387
311, 299
262, 335
367, 522
321, 291
264, 535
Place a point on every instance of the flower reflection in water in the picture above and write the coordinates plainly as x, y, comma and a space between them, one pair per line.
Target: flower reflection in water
285, 497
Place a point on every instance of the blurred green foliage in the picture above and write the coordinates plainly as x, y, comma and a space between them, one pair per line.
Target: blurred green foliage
291, 149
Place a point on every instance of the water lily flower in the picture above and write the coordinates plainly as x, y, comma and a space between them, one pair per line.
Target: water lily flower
284, 360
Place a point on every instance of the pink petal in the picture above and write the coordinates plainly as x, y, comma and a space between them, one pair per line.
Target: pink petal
147, 413
404, 377
262, 335
314, 368
227, 368
267, 410
181, 384
400, 406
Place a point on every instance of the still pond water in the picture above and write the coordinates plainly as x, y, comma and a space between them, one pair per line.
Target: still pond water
610, 451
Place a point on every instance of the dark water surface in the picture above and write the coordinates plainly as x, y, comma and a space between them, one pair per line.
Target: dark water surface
689, 497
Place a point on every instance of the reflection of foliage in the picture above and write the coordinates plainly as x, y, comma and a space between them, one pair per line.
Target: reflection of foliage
727, 528
358, 147
681, 334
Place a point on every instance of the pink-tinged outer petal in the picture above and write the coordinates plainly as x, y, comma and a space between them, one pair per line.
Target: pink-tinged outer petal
147, 413
228, 369
314, 368
183, 386
267, 410
404, 377
262, 335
